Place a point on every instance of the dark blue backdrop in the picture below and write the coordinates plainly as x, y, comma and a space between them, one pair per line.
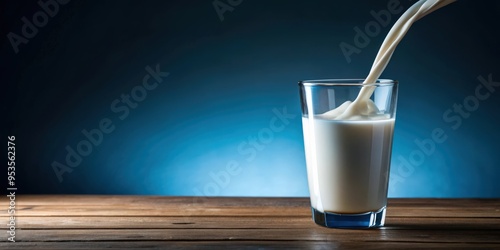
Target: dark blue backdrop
225, 118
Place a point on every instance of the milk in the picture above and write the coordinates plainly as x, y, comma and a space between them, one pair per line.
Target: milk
347, 163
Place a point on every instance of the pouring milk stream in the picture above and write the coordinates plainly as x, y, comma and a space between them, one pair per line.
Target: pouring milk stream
363, 105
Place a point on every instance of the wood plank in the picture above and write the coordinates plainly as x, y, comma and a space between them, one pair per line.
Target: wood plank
393, 223
167, 210
228, 201
156, 200
476, 211
224, 206
236, 245
162, 222
310, 234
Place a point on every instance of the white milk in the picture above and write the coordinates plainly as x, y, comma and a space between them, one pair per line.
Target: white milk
347, 163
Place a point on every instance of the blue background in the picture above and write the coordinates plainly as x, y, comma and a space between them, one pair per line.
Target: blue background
225, 79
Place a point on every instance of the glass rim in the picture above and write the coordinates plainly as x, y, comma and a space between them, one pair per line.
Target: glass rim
347, 82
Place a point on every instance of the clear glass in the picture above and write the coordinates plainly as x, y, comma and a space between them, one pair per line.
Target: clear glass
348, 159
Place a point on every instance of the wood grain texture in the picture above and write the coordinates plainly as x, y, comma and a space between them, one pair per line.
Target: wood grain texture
228, 222
153, 222
236, 245
227, 206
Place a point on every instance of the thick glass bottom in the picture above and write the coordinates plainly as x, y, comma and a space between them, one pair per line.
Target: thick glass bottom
354, 221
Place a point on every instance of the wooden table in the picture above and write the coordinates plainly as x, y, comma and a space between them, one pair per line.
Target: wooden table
147, 222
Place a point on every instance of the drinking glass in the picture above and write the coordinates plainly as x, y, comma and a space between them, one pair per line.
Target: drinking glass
348, 159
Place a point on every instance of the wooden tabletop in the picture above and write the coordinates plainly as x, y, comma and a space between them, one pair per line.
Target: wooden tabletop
151, 222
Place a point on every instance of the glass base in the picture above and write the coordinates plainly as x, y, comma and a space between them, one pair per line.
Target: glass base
354, 221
